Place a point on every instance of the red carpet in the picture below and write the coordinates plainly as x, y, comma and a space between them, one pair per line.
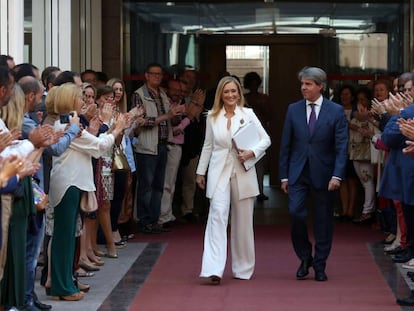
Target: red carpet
354, 282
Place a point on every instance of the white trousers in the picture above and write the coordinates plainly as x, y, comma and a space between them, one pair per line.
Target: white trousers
242, 235
173, 162
365, 172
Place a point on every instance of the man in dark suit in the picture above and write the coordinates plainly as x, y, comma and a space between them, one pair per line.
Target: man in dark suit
313, 155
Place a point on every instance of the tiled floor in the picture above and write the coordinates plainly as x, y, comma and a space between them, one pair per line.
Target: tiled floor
116, 284
115, 287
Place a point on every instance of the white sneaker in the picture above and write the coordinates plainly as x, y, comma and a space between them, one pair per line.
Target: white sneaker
409, 264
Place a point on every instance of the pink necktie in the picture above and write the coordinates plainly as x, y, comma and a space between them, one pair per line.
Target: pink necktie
312, 119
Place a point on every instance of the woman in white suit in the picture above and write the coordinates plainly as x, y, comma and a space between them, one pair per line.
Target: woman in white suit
228, 183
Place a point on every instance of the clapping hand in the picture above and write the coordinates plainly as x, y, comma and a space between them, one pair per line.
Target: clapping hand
107, 112
397, 102
128, 120
28, 168
137, 111
90, 112
16, 165
175, 111
194, 110
16, 133
44, 136
94, 125
407, 127
377, 108
140, 121
409, 150
6, 139
9, 168
198, 97
366, 131
120, 122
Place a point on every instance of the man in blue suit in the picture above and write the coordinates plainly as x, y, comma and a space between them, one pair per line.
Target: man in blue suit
313, 155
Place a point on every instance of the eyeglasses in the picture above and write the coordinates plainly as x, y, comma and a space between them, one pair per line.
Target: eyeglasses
158, 74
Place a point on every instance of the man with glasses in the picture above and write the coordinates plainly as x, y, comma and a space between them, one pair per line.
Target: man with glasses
151, 147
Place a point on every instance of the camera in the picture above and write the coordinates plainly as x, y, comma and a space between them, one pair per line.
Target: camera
64, 118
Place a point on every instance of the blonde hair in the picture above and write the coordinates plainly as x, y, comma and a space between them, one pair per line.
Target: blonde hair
50, 100
122, 105
66, 97
218, 102
13, 113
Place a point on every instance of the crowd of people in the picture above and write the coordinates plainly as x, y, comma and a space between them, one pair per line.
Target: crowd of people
79, 162
82, 170
380, 157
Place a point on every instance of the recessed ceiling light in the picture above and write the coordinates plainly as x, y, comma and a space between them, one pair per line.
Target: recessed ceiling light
170, 3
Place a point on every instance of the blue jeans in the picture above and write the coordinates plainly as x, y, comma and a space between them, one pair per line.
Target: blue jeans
33, 245
151, 174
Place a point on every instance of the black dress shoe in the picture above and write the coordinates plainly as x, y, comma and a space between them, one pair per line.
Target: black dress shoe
42, 306
262, 197
149, 229
408, 301
395, 251
303, 269
320, 276
403, 257
30, 307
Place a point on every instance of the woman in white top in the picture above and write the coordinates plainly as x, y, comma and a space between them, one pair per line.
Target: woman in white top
228, 183
71, 174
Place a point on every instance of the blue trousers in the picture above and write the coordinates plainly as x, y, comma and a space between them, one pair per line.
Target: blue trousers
151, 175
33, 245
323, 210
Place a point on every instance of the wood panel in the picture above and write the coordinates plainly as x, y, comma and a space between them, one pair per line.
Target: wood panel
285, 61
287, 55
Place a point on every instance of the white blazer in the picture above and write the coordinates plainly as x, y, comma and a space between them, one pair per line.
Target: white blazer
218, 153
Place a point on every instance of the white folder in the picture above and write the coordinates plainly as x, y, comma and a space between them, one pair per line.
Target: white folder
245, 138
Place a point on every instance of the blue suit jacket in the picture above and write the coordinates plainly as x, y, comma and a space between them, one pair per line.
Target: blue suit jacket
398, 179
325, 151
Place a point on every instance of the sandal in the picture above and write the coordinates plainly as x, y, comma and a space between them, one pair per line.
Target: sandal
98, 253
80, 273
98, 261
389, 239
120, 244
82, 287
73, 297
113, 255
87, 267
